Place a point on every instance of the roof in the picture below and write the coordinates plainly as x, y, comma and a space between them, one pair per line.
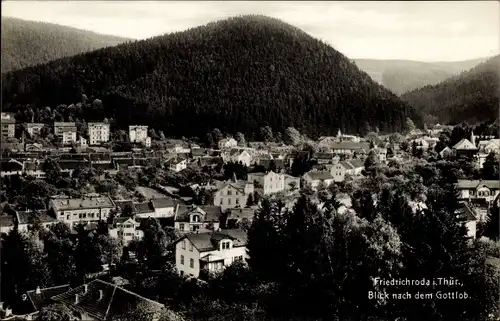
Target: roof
207, 241
64, 124
38, 300
266, 163
350, 145
469, 184
61, 204
96, 157
320, 175
163, 202
115, 300
24, 217
10, 165
323, 155
208, 161
72, 164
464, 140
30, 166
74, 156
210, 213
198, 152
356, 163
6, 220
466, 213
144, 208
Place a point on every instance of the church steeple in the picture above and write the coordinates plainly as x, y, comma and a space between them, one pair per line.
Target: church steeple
473, 138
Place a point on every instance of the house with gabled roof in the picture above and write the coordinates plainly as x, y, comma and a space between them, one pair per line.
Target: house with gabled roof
237, 155
227, 143
233, 193
176, 164
479, 189
271, 182
103, 301
209, 252
24, 219
315, 178
10, 167
126, 229
353, 167
192, 218
466, 216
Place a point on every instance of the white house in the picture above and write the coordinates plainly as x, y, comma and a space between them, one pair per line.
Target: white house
90, 208
314, 178
479, 189
237, 155
233, 194
126, 229
197, 218
176, 164
98, 133
158, 208
271, 182
227, 143
489, 146
137, 133
210, 251
24, 219
352, 167
466, 216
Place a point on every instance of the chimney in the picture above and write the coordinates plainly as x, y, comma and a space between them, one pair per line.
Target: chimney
100, 295
76, 299
38, 291
86, 288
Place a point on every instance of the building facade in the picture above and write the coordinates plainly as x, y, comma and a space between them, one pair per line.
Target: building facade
83, 210
98, 133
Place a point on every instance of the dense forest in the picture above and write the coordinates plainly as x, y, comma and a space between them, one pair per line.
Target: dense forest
471, 96
401, 76
29, 43
238, 74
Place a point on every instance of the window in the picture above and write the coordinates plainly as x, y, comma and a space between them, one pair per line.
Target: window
191, 263
221, 201
191, 247
228, 201
237, 201
229, 192
181, 226
196, 218
238, 258
225, 245
184, 244
182, 259
182, 273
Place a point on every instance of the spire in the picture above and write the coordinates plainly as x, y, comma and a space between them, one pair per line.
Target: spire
473, 138
234, 178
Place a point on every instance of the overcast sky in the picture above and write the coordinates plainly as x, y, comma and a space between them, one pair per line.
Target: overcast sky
425, 31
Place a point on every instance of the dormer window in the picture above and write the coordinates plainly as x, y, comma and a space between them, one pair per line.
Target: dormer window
195, 218
225, 245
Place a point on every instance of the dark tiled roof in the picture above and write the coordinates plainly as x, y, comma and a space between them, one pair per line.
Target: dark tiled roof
104, 166
6, 220
266, 163
212, 213
100, 157
197, 152
163, 202
466, 213
74, 156
142, 208
10, 165
469, 184
70, 164
241, 213
115, 300
320, 175
323, 155
124, 161
356, 163
208, 241
39, 299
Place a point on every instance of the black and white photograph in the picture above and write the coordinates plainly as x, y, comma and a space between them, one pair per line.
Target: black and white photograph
250, 161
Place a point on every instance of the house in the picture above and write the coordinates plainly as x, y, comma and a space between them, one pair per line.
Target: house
210, 161
8, 125
34, 129
137, 133
479, 189
197, 218
82, 142
235, 216
176, 164
347, 138
465, 146
98, 133
144, 210
233, 194
33, 168
466, 216
271, 182
350, 148
323, 158
210, 251
381, 154
197, 153
446, 152
421, 143
9, 167
489, 146
34, 300
66, 132
126, 229
87, 209
237, 155
315, 178
102, 301
68, 166
24, 219
352, 167
163, 207
227, 143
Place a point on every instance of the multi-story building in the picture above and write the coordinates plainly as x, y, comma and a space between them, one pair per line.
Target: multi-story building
34, 129
315, 179
197, 218
8, 125
271, 182
66, 132
98, 133
138, 133
233, 194
90, 208
126, 229
227, 143
487, 190
210, 251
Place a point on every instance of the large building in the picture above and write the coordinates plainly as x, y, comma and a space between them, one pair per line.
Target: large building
34, 129
139, 134
271, 182
65, 131
98, 133
233, 194
88, 209
8, 125
210, 251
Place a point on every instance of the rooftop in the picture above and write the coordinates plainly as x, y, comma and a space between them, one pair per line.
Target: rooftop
82, 203
207, 241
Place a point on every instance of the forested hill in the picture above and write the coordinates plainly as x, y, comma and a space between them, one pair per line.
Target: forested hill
28, 43
472, 96
401, 76
238, 74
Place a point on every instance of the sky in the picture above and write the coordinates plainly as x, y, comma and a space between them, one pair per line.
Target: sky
422, 31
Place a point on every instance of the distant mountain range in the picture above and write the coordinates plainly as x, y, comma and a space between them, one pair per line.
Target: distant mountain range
401, 76
238, 74
472, 96
28, 43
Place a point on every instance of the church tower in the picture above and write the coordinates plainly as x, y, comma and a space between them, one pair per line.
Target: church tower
473, 138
